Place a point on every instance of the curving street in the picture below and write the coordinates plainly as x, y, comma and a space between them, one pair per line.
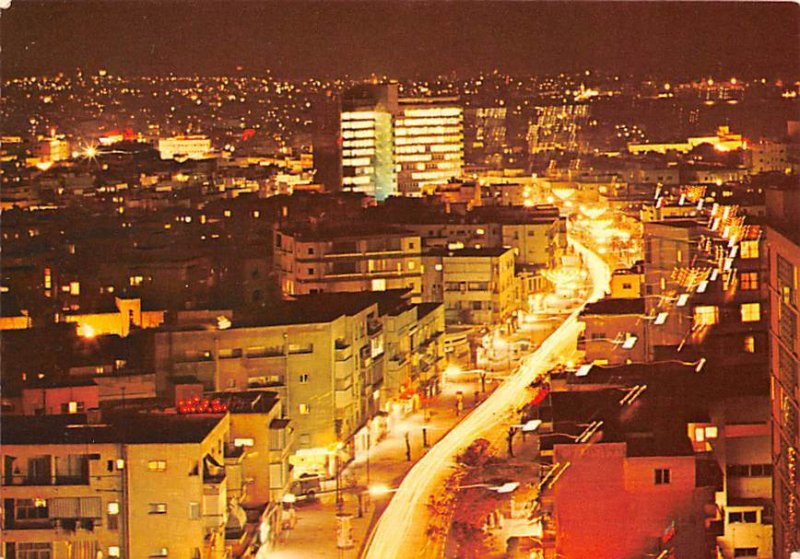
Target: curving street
401, 530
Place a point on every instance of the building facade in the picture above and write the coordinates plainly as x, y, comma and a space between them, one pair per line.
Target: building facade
784, 282
327, 260
428, 143
142, 487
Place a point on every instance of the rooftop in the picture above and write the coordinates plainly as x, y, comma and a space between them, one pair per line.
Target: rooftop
249, 401
615, 305
130, 428
485, 252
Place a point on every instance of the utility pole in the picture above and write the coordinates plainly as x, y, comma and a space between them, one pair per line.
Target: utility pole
510, 440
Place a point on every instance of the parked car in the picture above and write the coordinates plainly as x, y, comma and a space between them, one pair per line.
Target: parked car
309, 486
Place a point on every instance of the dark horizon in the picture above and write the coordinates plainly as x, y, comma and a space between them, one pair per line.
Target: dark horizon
403, 39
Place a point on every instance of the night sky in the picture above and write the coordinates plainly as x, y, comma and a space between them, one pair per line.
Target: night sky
401, 39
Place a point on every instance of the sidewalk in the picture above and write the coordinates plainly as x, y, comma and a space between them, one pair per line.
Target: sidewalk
314, 535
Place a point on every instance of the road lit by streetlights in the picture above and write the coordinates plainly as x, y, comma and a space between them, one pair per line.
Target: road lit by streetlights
400, 532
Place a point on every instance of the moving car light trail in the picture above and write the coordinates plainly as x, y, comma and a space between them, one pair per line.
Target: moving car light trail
401, 530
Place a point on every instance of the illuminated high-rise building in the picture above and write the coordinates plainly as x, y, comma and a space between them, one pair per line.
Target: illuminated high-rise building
366, 137
394, 146
556, 128
428, 143
485, 134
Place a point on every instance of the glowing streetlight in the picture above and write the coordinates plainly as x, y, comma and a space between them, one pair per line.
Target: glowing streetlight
87, 331
563, 193
700, 364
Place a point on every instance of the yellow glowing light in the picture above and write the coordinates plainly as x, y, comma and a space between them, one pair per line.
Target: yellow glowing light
452, 370
563, 193
561, 276
376, 490
592, 212
44, 165
86, 331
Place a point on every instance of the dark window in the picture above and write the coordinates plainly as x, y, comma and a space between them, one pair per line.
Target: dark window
662, 476
745, 552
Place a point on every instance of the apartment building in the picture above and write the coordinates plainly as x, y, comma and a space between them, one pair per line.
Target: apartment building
137, 486
477, 285
783, 244
710, 279
324, 354
344, 258
428, 143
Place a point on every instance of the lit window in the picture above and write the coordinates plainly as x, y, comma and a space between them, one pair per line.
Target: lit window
157, 465
379, 285
706, 315
751, 312
113, 551
158, 508
304, 378
437, 267
749, 249
244, 442
749, 281
749, 344
304, 409
136, 281
412, 265
113, 507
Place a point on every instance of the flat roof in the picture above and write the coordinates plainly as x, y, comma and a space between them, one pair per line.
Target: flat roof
485, 252
129, 428
615, 305
248, 401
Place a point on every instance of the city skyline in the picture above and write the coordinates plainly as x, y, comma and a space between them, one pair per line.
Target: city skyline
381, 280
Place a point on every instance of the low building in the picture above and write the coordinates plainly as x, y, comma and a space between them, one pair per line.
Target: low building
622, 452
184, 147
615, 331
627, 283
137, 486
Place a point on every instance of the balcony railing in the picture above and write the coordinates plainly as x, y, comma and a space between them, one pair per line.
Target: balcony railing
27, 480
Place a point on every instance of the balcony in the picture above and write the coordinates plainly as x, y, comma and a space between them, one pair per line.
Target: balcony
374, 327
30, 524
343, 352
344, 398
30, 480
214, 478
214, 508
